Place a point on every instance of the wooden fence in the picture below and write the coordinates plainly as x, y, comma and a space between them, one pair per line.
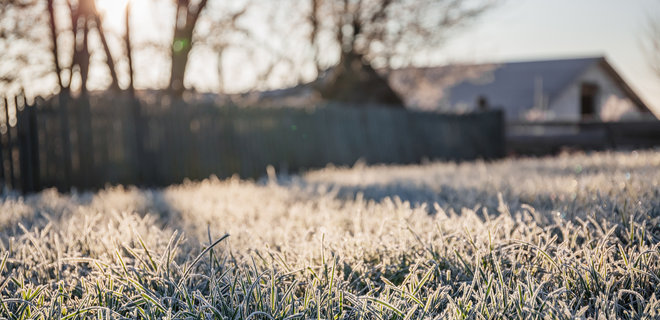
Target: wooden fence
19, 150
541, 138
68, 143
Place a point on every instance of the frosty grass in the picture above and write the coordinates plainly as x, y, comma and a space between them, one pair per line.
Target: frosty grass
576, 236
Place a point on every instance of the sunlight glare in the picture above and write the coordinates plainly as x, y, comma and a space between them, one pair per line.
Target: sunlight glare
112, 9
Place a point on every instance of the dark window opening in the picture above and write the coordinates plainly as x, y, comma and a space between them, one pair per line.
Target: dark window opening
588, 95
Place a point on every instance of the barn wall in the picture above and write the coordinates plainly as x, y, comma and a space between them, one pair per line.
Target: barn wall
611, 102
567, 106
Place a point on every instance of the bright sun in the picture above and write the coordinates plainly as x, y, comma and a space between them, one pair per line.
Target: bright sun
112, 10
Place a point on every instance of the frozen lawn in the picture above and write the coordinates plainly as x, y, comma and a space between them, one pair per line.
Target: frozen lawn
556, 238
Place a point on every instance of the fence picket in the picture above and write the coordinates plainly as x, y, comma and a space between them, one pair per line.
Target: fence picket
10, 147
3, 180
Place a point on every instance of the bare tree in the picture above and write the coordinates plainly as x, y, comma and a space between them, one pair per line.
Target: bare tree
114, 85
35, 26
188, 14
21, 29
222, 31
85, 18
128, 46
369, 34
58, 30
59, 33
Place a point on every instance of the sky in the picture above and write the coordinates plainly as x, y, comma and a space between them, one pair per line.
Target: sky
548, 29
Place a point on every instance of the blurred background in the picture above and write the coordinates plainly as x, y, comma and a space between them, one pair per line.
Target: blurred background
151, 92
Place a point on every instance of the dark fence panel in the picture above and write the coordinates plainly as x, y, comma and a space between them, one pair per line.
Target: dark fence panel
19, 149
68, 143
540, 138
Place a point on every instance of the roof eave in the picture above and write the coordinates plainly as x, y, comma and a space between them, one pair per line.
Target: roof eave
577, 75
636, 99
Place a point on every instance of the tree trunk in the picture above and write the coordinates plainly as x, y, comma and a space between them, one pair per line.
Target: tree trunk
54, 48
83, 57
184, 28
180, 50
129, 51
114, 85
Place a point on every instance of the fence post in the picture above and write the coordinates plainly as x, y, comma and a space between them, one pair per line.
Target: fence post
3, 182
24, 147
85, 147
66, 141
34, 145
28, 149
12, 181
138, 160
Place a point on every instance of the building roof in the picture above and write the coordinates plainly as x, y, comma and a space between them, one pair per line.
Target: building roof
509, 84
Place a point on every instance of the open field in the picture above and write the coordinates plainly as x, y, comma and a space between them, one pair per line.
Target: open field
557, 238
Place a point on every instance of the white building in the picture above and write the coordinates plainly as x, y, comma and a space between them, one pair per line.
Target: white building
550, 90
